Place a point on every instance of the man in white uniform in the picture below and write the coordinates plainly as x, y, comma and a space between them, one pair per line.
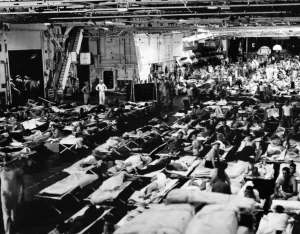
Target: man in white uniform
287, 114
101, 87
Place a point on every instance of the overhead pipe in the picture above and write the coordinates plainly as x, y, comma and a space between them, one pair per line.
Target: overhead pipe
167, 15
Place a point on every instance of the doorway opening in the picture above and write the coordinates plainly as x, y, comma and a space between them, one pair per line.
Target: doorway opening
28, 65
108, 79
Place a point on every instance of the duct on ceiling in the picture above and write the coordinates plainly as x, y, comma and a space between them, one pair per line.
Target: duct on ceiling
28, 27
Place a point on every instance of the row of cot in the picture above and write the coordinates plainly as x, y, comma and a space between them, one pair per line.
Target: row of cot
79, 178
170, 184
111, 190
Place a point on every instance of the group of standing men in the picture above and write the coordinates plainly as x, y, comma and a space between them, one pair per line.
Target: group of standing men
24, 88
101, 88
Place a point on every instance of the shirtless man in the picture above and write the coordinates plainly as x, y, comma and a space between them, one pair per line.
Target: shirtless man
286, 186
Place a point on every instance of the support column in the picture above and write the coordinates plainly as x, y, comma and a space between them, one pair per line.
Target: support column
247, 44
6, 71
227, 47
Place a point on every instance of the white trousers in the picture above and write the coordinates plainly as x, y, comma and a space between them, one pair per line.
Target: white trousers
101, 98
9, 208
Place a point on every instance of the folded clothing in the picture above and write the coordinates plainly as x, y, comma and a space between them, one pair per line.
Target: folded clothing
167, 219
201, 197
210, 219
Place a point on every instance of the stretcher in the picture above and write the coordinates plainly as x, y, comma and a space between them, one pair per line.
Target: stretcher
66, 186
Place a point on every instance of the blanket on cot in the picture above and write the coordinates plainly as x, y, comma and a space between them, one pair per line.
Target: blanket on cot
233, 170
70, 183
271, 223
210, 219
201, 197
100, 196
167, 219
76, 168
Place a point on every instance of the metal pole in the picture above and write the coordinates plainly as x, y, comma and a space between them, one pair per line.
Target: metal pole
6, 70
155, 83
8, 86
247, 44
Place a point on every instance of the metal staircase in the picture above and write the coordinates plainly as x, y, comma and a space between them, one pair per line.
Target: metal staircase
75, 47
64, 63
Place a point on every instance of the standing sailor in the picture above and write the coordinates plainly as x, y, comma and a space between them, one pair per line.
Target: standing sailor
101, 87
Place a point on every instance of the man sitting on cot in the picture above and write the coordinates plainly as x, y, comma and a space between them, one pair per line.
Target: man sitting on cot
286, 186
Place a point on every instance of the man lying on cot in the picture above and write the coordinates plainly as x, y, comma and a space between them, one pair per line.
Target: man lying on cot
176, 143
109, 187
158, 182
137, 161
196, 146
149, 143
93, 159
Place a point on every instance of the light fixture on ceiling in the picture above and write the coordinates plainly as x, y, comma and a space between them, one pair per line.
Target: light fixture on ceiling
182, 21
212, 7
225, 7
122, 6
122, 9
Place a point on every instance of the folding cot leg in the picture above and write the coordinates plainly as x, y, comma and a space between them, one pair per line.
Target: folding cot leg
75, 198
132, 189
57, 210
122, 201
